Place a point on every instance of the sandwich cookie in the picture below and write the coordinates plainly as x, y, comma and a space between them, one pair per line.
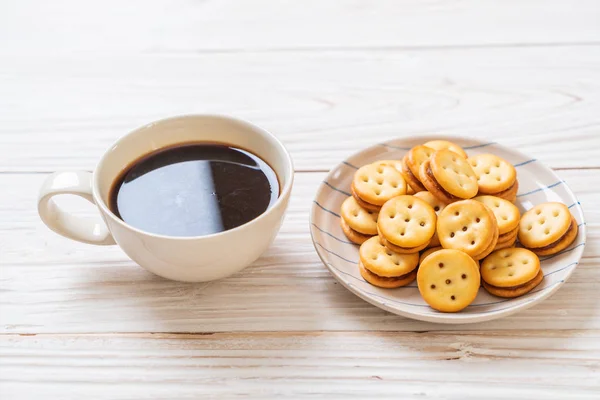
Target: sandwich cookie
469, 226
511, 272
445, 144
374, 184
383, 268
437, 205
357, 223
507, 216
411, 164
547, 229
398, 165
448, 280
495, 176
449, 177
406, 224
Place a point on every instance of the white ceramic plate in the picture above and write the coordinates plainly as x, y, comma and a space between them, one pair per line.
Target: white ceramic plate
537, 184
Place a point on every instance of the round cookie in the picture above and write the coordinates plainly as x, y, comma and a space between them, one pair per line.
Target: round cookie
412, 181
544, 224
448, 280
562, 243
357, 218
449, 177
354, 236
510, 267
383, 282
445, 144
494, 174
468, 226
376, 184
511, 272
437, 205
507, 214
381, 261
407, 222
416, 157
428, 252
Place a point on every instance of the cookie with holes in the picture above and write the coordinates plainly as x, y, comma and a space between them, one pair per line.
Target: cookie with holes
374, 184
411, 164
357, 223
449, 177
507, 216
495, 175
406, 224
445, 144
383, 268
469, 226
427, 252
448, 280
547, 229
511, 272
398, 165
437, 205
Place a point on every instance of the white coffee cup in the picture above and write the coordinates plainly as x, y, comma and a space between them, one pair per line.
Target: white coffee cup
190, 259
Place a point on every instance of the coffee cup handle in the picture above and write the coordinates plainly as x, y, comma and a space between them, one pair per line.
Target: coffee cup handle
68, 225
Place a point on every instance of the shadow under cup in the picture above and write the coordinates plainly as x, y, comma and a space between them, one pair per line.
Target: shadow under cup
201, 258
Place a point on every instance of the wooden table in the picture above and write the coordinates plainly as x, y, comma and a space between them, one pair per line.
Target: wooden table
329, 78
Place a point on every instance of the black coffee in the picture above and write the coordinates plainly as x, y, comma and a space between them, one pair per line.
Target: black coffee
194, 190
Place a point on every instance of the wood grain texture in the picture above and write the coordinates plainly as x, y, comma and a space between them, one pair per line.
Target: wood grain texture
112, 26
454, 365
329, 78
323, 105
53, 285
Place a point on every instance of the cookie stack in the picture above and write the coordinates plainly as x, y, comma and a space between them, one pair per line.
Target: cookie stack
507, 216
461, 215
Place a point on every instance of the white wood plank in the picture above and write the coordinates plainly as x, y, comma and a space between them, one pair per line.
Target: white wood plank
111, 26
51, 284
457, 365
64, 111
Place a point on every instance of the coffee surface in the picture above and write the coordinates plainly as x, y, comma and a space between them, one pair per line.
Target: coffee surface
194, 190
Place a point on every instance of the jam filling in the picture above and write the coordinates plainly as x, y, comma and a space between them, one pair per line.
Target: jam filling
389, 278
517, 286
553, 244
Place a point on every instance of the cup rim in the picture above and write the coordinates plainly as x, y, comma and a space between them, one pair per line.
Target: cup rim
285, 192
